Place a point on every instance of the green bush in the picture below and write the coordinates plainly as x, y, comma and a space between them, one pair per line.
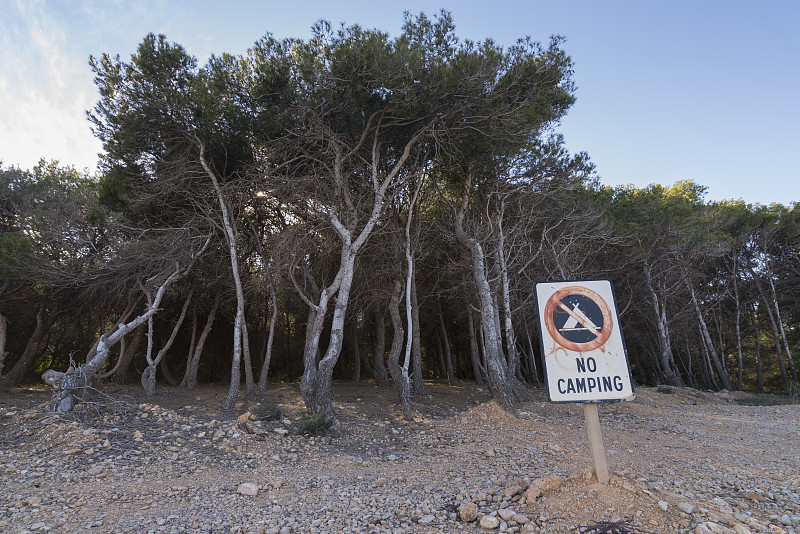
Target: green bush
313, 425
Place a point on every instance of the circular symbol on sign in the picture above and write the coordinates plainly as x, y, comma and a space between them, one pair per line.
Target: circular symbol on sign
578, 319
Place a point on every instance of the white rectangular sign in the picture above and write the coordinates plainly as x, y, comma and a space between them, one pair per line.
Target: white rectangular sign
581, 340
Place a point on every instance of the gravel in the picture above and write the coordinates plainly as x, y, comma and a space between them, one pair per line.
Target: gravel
680, 462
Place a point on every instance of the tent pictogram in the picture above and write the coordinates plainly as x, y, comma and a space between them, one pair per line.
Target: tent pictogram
578, 319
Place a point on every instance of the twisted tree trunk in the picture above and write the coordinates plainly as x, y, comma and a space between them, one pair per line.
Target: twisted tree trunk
239, 326
44, 321
709, 343
68, 384
149, 374
262, 379
782, 330
667, 358
399, 373
773, 323
496, 367
193, 365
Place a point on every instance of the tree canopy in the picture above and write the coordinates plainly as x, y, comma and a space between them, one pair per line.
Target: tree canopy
361, 205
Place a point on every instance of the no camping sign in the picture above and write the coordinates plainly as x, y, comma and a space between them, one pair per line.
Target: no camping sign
582, 347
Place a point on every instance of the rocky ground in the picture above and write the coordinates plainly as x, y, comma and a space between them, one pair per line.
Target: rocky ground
681, 461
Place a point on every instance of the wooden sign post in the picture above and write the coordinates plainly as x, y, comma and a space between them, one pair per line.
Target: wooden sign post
583, 351
596, 441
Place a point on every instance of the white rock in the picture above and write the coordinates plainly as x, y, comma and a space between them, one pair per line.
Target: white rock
685, 507
426, 519
248, 488
664, 505
709, 527
506, 514
489, 522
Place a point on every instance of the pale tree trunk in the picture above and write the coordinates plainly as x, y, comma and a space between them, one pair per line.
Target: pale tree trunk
316, 382
757, 332
738, 320
782, 330
773, 323
193, 364
718, 323
3, 331
499, 383
67, 384
778, 350
126, 354
517, 388
314, 324
417, 384
413, 348
477, 369
715, 357
239, 326
399, 374
381, 377
511, 338
499, 330
149, 374
321, 398
665, 344
44, 321
262, 380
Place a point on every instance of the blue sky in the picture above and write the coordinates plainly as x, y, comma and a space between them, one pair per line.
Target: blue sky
702, 90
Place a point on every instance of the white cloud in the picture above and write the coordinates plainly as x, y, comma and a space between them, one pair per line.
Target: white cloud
46, 88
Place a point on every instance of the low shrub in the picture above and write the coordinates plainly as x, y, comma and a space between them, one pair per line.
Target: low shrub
309, 424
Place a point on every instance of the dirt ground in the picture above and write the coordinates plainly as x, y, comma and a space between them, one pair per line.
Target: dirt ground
680, 460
